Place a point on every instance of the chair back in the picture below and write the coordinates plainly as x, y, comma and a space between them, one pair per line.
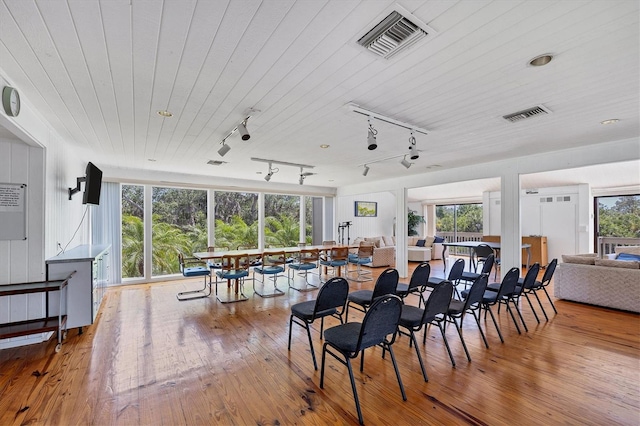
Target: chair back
333, 294
476, 291
456, 270
380, 321
237, 262
483, 251
274, 258
386, 283
365, 249
420, 276
181, 262
509, 283
487, 266
339, 253
328, 243
530, 278
548, 272
438, 302
309, 255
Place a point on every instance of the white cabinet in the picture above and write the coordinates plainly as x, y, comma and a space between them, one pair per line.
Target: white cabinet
88, 284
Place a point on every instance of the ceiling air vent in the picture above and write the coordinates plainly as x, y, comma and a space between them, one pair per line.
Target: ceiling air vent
392, 35
527, 113
216, 162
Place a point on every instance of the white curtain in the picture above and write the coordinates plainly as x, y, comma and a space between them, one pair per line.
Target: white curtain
106, 227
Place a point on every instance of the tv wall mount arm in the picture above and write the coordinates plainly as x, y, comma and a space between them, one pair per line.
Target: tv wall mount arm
77, 188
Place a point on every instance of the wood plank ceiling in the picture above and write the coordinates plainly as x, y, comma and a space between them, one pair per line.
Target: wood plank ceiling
100, 70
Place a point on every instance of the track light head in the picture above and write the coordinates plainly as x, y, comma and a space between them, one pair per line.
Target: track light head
405, 163
242, 128
413, 151
372, 143
224, 149
268, 176
365, 171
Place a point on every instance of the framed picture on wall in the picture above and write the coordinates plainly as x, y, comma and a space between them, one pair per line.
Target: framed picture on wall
366, 209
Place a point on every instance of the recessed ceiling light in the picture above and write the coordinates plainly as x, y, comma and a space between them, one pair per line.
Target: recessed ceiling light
152, 159
165, 113
324, 146
610, 121
541, 60
258, 173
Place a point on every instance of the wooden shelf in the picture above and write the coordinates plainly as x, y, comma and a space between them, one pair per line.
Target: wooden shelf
40, 325
538, 248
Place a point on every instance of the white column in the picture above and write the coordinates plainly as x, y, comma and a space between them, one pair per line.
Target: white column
261, 220
148, 230
401, 232
211, 217
303, 214
511, 238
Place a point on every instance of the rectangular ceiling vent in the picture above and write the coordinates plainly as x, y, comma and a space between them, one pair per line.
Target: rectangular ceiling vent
216, 162
527, 113
393, 34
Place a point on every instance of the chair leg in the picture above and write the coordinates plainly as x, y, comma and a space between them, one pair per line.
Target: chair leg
535, 293
477, 318
196, 294
516, 303
424, 371
464, 345
313, 353
355, 392
495, 323
531, 306
550, 301
395, 367
512, 316
446, 344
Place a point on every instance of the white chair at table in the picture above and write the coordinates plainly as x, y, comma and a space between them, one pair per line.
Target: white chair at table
303, 262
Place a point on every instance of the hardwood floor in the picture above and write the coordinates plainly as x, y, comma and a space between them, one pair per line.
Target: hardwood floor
153, 360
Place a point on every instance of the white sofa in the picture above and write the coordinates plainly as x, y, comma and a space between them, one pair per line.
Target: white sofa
384, 252
430, 250
603, 282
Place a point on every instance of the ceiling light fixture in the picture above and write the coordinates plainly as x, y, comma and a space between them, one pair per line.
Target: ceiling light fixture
406, 163
324, 146
271, 172
610, 121
541, 60
372, 143
240, 128
165, 113
371, 114
224, 149
365, 171
413, 151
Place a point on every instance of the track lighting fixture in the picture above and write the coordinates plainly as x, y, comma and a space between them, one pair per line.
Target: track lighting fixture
270, 173
372, 143
224, 149
413, 151
365, 171
242, 128
405, 163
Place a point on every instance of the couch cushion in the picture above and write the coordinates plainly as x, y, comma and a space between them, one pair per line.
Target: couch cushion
584, 259
377, 241
411, 241
420, 243
358, 240
388, 241
438, 240
618, 263
628, 257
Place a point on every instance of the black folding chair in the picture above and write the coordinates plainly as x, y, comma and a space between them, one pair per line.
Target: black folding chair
344, 342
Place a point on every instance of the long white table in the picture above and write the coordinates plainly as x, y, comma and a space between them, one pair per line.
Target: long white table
472, 245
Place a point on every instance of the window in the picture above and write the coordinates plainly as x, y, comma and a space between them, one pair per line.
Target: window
179, 224
132, 231
236, 220
459, 222
618, 216
282, 220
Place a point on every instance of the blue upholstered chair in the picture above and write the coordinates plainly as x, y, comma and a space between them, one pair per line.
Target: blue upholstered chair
335, 258
272, 267
233, 267
362, 257
303, 263
191, 267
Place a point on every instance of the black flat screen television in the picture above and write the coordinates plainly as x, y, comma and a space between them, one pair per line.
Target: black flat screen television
93, 183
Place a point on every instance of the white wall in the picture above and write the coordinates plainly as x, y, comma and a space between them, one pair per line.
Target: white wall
562, 214
367, 226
